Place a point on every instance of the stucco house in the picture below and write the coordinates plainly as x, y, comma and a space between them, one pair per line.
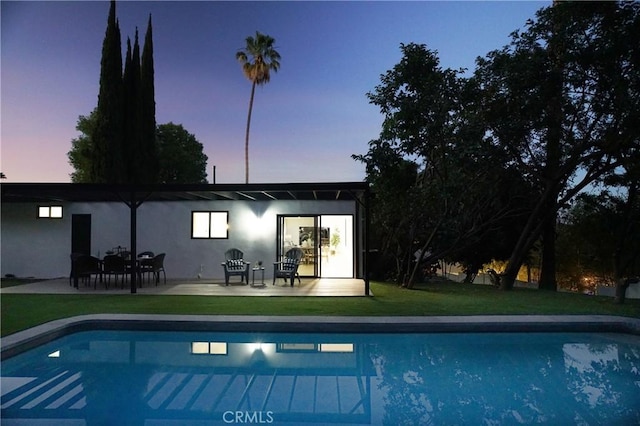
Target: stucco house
42, 223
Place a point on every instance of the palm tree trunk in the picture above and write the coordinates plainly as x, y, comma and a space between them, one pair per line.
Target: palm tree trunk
246, 138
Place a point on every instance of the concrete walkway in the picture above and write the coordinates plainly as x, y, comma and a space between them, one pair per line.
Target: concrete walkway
340, 287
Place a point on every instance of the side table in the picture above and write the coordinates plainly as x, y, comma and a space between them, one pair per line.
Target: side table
253, 277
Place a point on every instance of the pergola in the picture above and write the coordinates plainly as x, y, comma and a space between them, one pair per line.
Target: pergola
134, 195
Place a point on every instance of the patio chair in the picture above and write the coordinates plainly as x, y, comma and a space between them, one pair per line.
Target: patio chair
157, 266
74, 257
85, 266
288, 267
235, 264
145, 265
114, 264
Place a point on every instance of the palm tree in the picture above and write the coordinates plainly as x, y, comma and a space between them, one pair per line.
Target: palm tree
258, 59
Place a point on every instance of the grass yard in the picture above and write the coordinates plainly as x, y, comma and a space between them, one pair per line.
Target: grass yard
21, 311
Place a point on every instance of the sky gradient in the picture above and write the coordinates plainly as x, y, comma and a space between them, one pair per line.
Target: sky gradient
306, 122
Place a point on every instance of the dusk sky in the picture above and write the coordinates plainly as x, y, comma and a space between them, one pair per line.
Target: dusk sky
307, 122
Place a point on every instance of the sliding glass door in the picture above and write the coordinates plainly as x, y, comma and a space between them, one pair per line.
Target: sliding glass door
326, 241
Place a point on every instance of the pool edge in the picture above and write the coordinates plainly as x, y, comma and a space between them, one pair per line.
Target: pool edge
23, 340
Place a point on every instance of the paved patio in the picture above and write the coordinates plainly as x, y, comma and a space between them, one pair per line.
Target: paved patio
317, 287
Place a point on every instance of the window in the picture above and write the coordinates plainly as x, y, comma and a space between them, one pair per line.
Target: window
51, 212
209, 348
209, 224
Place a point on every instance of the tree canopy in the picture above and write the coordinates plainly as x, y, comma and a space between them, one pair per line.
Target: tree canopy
179, 154
439, 187
468, 168
181, 159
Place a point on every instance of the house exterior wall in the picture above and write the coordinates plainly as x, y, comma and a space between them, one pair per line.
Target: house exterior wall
40, 248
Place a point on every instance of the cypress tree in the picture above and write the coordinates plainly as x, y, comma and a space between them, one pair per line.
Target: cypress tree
132, 112
148, 119
106, 164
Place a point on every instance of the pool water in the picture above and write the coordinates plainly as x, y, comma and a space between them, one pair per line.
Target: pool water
212, 378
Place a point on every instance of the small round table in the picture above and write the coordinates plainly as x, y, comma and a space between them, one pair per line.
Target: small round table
253, 277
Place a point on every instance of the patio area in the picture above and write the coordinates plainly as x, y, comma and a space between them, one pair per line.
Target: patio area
317, 287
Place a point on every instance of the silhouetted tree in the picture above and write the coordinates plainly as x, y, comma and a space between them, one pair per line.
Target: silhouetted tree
258, 59
181, 157
123, 148
106, 154
149, 165
563, 100
132, 118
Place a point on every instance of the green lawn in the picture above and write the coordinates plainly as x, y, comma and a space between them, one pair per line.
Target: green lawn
21, 311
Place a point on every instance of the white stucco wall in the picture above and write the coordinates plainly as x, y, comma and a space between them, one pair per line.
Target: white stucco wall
32, 247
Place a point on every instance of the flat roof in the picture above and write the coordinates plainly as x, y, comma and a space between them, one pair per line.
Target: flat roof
69, 192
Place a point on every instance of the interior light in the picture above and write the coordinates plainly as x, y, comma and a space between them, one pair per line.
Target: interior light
56, 211
218, 348
55, 354
209, 348
336, 347
199, 347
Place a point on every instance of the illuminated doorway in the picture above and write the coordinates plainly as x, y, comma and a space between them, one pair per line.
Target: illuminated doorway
326, 241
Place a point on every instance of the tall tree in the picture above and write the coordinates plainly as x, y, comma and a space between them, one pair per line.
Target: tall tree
258, 59
107, 159
562, 99
134, 156
148, 105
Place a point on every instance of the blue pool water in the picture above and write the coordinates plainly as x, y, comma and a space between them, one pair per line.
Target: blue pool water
213, 378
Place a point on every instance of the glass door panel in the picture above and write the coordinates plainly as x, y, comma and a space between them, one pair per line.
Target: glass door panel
301, 231
326, 241
336, 246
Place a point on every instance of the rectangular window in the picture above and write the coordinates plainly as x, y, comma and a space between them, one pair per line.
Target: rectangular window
209, 224
51, 212
209, 348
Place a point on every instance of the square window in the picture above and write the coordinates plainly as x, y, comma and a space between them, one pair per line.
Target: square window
209, 224
44, 211
50, 212
56, 212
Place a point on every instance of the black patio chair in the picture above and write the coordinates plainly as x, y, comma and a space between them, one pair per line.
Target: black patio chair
84, 267
287, 268
235, 264
157, 266
115, 265
145, 265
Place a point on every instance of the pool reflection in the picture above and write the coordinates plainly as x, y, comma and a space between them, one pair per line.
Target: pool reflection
119, 377
515, 379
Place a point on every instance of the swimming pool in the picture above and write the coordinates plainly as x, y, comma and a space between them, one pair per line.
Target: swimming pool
222, 377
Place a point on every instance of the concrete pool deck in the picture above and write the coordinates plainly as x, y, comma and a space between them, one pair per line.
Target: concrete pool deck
27, 339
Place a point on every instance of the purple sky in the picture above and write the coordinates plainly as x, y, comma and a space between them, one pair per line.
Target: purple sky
306, 122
